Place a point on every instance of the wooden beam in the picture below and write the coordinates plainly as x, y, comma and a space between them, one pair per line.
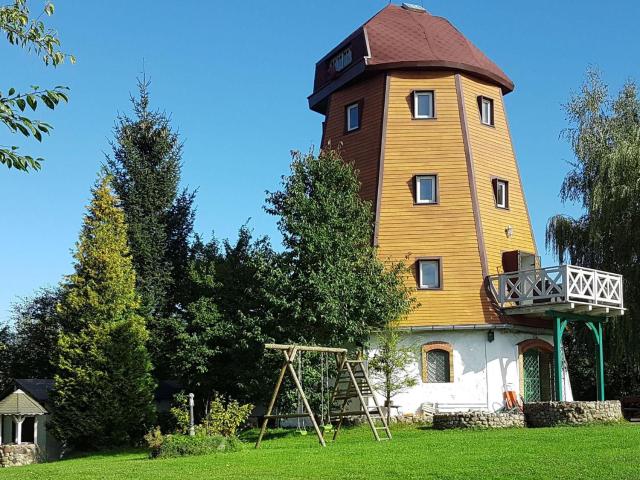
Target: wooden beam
306, 403
274, 397
305, 348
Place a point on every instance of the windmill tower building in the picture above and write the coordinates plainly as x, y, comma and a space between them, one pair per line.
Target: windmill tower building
419, 110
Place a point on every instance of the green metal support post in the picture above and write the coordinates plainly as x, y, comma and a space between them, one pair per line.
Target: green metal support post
558, 330
597, 329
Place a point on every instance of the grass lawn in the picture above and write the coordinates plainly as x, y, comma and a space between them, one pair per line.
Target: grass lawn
560, 453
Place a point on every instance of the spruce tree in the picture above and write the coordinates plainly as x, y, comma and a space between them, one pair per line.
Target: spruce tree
146, 165
103, 392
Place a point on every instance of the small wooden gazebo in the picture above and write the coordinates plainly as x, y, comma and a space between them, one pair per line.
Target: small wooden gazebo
19, 406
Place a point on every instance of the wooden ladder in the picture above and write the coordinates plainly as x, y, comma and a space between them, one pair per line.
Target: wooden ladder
353, 382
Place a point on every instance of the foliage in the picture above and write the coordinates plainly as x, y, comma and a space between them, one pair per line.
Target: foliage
155, 440
180, 412
36, 329
145, 167
6, 344
392, 363
169, 446
230, 318
32, 35
224, 420
335, 290
103, 394
604, 135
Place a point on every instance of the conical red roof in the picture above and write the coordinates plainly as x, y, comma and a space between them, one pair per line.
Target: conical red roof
399, 37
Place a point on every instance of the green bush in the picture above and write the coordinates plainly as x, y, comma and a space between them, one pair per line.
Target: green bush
169, 446
224, 420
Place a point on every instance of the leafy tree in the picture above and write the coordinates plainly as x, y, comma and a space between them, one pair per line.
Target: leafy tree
31, 34
392, 364
335, 290
36, 330
6, 344
230, 318
146, 165
103, 393
605, 180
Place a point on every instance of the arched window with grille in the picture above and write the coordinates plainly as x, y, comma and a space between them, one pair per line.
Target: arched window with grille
437, 362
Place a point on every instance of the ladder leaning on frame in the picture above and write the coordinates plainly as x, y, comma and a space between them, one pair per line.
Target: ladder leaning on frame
352, 382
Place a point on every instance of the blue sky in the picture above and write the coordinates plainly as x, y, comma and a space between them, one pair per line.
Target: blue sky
235, 76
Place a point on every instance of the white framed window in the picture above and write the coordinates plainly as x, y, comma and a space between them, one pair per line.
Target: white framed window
486, 110
353, 117
429, 273
501, 192
426, 189
341, 60
423, 104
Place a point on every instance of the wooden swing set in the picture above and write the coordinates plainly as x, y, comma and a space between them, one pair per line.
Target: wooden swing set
351, 383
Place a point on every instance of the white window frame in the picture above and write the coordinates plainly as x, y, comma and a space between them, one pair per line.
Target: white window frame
350, 127
504, 186
418, 93
438, 263
488, 120
434, 179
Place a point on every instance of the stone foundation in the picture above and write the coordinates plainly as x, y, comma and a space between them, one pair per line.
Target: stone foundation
550, 414
18, 455
442, 421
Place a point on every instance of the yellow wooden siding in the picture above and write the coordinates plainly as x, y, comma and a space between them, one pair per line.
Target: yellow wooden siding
493, 157
446, 230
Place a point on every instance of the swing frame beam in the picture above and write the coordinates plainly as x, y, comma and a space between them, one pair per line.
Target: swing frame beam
290, 353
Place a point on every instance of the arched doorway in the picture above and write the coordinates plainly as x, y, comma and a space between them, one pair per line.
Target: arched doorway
536, 370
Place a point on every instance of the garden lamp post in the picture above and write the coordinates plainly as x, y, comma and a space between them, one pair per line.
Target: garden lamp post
192, 429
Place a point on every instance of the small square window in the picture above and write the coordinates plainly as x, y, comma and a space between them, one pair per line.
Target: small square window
423, 104
429, 274
353, 117
486, 110
426, 189
501, 193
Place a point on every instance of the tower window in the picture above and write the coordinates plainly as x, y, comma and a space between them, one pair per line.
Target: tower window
501, 192
426, 188
423, 104
429, 274
353, 113
486, 110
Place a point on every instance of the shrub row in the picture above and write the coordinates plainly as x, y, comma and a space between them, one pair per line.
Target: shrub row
183, 445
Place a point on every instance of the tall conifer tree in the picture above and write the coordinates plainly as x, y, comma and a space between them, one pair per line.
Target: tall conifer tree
146, 165
103, 389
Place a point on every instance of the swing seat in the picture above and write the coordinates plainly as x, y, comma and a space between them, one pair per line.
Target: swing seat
302, 433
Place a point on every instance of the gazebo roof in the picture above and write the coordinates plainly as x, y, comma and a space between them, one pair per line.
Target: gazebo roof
20, 403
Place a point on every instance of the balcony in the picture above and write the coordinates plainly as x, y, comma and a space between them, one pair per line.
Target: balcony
562, 288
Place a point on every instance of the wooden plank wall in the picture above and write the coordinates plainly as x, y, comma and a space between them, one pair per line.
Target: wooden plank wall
362, 146
446, 230
493, 157
407, 232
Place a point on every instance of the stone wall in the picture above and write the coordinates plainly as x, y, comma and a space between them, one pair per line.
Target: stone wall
477, 419
12, 455
549, 414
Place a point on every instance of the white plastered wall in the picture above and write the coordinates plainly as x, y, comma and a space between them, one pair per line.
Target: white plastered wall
482, 370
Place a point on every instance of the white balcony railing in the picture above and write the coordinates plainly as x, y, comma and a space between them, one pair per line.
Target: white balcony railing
562, 284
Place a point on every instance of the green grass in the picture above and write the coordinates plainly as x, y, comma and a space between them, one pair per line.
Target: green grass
590, 452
